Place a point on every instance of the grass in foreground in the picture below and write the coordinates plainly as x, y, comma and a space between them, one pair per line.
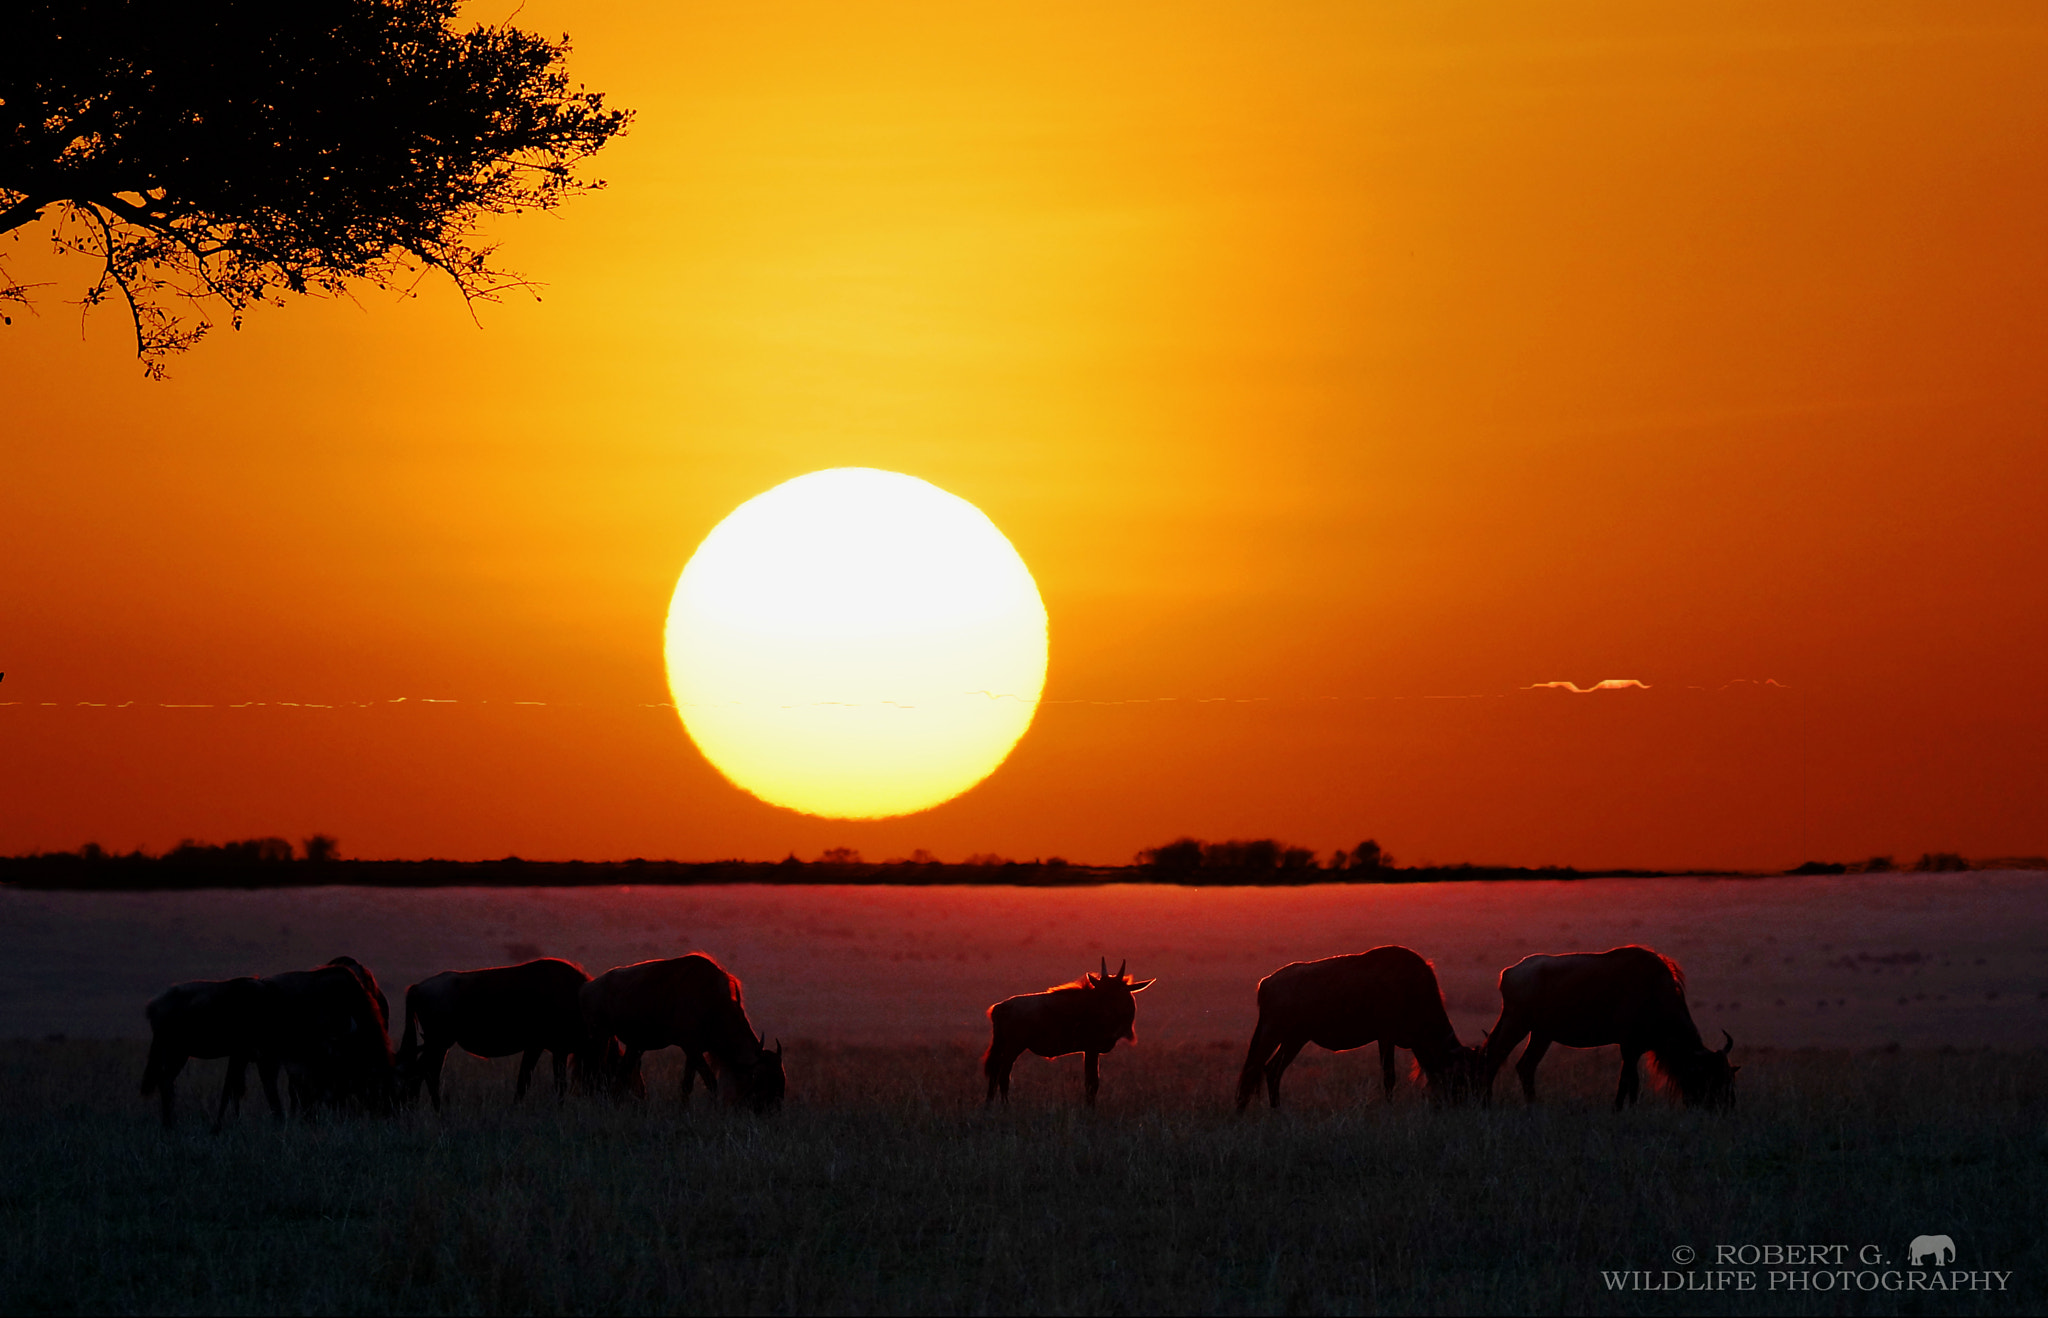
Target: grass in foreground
885, 1187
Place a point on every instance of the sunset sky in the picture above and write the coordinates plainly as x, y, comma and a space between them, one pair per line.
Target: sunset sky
1340, 371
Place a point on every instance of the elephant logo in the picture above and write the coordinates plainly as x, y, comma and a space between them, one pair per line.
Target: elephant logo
1941, 1248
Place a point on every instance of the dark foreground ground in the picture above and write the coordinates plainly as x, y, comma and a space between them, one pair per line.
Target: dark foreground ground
885, 1187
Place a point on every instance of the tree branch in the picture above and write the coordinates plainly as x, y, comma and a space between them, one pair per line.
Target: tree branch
23, 212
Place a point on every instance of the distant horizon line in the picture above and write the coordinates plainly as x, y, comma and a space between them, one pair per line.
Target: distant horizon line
222, 868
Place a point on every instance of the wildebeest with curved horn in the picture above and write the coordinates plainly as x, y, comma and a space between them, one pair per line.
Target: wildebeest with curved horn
690, 1002
1389, 995
326, 1029
1086, 1016
205, 1018
1630, 996
526, 1009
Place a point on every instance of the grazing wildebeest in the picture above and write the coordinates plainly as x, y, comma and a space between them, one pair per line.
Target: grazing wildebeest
369, 983
206, 1018
527, 1009
1630, 996
1086, 1016
689, 1002
324, 1028
1388, 994
299, 1081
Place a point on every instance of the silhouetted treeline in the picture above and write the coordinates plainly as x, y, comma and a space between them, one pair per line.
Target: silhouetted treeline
1930, 862
1190, 859
274, 862
1269, 861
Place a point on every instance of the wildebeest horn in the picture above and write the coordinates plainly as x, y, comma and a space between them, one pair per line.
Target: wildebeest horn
1121, 966
1105, 967
760, 1042
778, 1049
1729, 1046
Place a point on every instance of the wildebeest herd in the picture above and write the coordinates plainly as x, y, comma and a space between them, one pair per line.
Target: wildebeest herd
327, 1030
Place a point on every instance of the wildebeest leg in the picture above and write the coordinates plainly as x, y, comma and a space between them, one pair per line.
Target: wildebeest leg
1631, 1080
1526, 1068
694, 1065
1091, 1076
432, 1059
159, 1073
526, 1065
1264, 1041
629, 1072
163, 1073
1277, 1067
561, 1074
266, 1071
1387, 1070
996, 1066
232, 1086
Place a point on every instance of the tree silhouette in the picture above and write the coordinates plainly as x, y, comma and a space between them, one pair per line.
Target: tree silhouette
1368, 856
1183, 856
212, 154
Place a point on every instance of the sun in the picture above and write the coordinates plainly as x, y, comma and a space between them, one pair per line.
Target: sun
856, 644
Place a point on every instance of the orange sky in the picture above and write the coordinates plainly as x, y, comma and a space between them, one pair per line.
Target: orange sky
1330, 359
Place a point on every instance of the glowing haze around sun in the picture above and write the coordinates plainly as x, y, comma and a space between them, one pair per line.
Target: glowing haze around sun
856, 644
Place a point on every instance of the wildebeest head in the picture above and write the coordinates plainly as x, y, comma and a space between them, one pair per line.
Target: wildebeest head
761, 1081
1459, 1077
1718, 1089
1115, 994
1705, 1078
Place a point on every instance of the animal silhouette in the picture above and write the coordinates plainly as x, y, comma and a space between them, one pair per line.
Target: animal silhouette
326, 1031
1086, 1016
525, 1009
1630, 996
206, 1019
1941, 1247
689, 1002
1389, 995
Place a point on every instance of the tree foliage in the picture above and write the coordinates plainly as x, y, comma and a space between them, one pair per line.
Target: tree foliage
213, 154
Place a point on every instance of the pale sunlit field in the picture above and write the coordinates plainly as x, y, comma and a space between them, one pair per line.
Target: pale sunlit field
1855, 961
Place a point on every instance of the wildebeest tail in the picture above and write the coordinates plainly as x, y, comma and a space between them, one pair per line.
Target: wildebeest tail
995, 1036
409, 1046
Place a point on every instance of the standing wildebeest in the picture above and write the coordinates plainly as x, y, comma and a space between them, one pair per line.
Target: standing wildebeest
689, 1002
527, 1009
1388, 994
1628, 995
1086, 1016
326, 1029
206, 1018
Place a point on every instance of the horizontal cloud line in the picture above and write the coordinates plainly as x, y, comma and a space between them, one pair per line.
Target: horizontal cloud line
1604, 684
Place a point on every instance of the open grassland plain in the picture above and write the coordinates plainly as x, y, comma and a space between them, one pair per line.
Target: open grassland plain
885, 1186
1855, 961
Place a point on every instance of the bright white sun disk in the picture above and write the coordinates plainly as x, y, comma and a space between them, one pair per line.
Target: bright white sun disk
856, 643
